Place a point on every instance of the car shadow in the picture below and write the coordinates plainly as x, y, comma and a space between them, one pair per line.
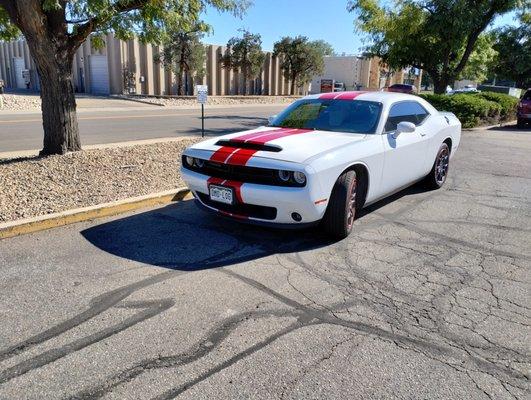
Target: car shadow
511, 128
183, 237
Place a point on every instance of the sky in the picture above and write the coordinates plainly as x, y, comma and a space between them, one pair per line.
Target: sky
317, 19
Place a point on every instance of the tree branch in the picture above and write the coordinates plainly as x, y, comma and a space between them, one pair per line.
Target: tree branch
92, 24
472, 39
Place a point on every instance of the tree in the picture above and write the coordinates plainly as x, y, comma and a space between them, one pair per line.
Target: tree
54, 30
324, 47
437, 36
481, 60
245, 54
301, 59
513, 45
183, 52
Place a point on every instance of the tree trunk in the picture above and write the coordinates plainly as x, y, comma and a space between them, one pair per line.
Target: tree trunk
292, 87
439, 85
59, 119
180, 86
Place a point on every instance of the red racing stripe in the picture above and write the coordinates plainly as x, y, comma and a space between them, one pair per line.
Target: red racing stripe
221, 154
249, 136
277, 135
340, 95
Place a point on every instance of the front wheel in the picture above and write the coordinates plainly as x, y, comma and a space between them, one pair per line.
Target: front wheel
339, 216
437, 176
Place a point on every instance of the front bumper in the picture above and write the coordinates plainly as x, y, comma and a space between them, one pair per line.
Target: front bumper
524, 116
256, 202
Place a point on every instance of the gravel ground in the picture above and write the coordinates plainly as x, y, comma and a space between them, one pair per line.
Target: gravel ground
13, 102
217, 100
38, 186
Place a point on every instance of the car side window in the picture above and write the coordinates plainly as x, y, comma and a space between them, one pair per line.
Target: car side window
409, 111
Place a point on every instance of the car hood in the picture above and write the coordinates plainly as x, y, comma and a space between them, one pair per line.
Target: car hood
291, 145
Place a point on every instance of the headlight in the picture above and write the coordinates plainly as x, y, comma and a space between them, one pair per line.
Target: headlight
199, 163
299, 177
284, 175
190, 161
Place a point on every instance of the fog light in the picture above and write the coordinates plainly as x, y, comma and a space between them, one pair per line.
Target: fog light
296, 217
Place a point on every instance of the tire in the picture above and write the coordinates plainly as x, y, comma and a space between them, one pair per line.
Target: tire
520, 124
439, 172
341, 211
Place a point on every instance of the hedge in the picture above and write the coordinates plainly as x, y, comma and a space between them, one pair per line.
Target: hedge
508, 104
471, 109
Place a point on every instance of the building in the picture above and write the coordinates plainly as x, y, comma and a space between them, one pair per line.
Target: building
129, 67
359, 72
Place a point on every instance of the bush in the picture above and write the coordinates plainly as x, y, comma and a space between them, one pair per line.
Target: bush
471, 110
508, 104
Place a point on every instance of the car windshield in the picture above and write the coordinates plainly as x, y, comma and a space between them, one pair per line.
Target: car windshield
355, 116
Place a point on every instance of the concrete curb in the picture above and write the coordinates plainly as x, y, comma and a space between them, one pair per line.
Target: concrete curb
501, 125
40, 223
140, 142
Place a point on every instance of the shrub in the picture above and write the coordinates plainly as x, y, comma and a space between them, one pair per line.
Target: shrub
471, 110
508, 104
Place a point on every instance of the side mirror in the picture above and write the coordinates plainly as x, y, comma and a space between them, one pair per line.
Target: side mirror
404, 127
271, 119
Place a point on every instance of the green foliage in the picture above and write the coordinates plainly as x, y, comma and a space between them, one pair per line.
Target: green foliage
471, 109
481, 60
435, 35
513, 45
245, 53
325, 48
301, 59
8, 31
507, 103
147, 19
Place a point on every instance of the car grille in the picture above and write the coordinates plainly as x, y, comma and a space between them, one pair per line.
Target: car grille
240, 173
248, 210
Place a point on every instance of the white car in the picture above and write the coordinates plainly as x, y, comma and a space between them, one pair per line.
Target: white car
322, 159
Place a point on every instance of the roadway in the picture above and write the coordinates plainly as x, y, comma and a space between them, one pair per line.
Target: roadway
23, 131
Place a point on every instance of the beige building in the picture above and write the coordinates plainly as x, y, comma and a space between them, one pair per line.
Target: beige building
129, 67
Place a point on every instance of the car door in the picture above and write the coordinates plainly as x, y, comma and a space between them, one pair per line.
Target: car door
405, 153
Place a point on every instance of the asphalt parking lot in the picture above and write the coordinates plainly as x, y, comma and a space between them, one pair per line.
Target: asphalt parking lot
427, 299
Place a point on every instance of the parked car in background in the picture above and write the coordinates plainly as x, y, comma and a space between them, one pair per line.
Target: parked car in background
523, 112
323, 159
466, 89
402, 88
339, 87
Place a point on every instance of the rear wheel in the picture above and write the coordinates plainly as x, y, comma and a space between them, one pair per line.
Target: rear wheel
437, 176
341, 212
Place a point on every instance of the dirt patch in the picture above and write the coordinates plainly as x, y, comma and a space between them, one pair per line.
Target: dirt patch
39, 186
191, 101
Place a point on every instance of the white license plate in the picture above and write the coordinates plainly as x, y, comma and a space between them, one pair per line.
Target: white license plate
221, 193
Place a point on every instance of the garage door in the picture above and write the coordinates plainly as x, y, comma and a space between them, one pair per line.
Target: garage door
99, 75
18, 66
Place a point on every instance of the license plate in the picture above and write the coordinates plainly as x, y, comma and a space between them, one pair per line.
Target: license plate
221, 194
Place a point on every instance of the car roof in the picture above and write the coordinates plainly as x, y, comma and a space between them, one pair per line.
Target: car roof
386, 98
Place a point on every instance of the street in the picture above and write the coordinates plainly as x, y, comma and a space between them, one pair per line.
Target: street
427, 299
24, 131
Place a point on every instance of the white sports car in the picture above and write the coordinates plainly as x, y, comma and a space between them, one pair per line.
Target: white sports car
322, 159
